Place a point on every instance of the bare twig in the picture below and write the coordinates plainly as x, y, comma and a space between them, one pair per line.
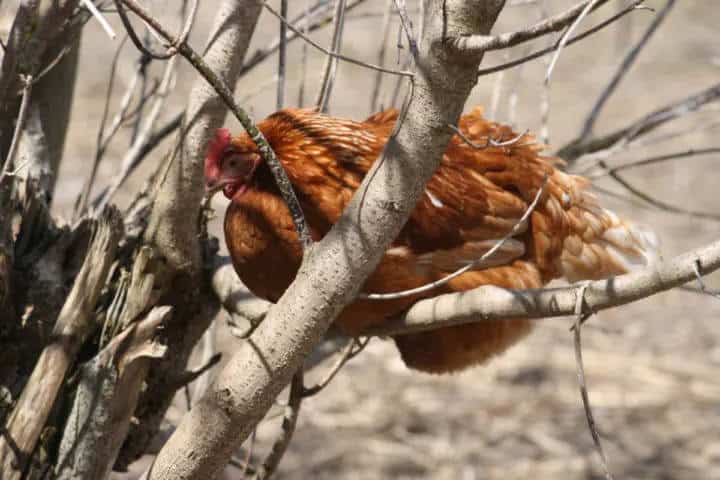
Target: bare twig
304, 56
104, 139
566, 36
351, 350
701, 283
407, 27
387, 15
478, 44
282, 57
175, 42
692, 153
331, 62
100, 18
324, 50
636, 5
580, 317
623, 68
655, 202
19, 127
133, 155
575, 149
290, 417
317, 17
490, 142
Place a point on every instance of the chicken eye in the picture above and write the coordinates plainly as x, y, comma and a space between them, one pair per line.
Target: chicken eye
233, 163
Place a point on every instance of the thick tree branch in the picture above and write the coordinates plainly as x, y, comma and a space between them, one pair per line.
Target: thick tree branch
175, 228
494, 303
334, 269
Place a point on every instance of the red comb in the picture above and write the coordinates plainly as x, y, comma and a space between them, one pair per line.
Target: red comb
215, 148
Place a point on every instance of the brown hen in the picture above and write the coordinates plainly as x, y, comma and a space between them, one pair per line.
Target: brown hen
474, 199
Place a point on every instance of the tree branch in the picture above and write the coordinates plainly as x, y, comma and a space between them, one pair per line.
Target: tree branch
495, 303
479, 44
334, 269
576, 148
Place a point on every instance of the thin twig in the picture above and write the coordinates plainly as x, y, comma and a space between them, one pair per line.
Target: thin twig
337, 55
479, 44
290, 417
623, 68
656, 159
100, 18
175, 42
566, 36
701, 283
636, 5
304, 56
490, 142
575, 149
407, 26
381, 56
133, 155
256, 135
331, 63
19, 126
351, 350
654, 201
472, 265
580, 318
102, 139
322, 7
282, 58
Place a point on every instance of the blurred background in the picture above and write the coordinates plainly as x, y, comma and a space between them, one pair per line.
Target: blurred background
651, 367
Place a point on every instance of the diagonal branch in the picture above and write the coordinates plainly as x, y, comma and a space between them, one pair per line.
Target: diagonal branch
623, 68
334, 269
576, 148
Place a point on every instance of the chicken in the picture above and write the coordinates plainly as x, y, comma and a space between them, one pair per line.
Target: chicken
475, 198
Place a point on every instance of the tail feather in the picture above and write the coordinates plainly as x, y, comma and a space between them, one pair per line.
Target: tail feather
600, 244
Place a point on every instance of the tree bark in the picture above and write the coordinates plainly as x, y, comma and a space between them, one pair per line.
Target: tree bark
174, 230
73, 325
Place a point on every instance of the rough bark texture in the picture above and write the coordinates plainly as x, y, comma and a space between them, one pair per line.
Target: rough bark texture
491, 303
105, 400
174, 231
73, 325
335, 268
172, 227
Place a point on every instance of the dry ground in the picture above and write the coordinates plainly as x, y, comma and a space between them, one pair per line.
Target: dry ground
652, 366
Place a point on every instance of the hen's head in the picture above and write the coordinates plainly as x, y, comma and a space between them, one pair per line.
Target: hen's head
229, 164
